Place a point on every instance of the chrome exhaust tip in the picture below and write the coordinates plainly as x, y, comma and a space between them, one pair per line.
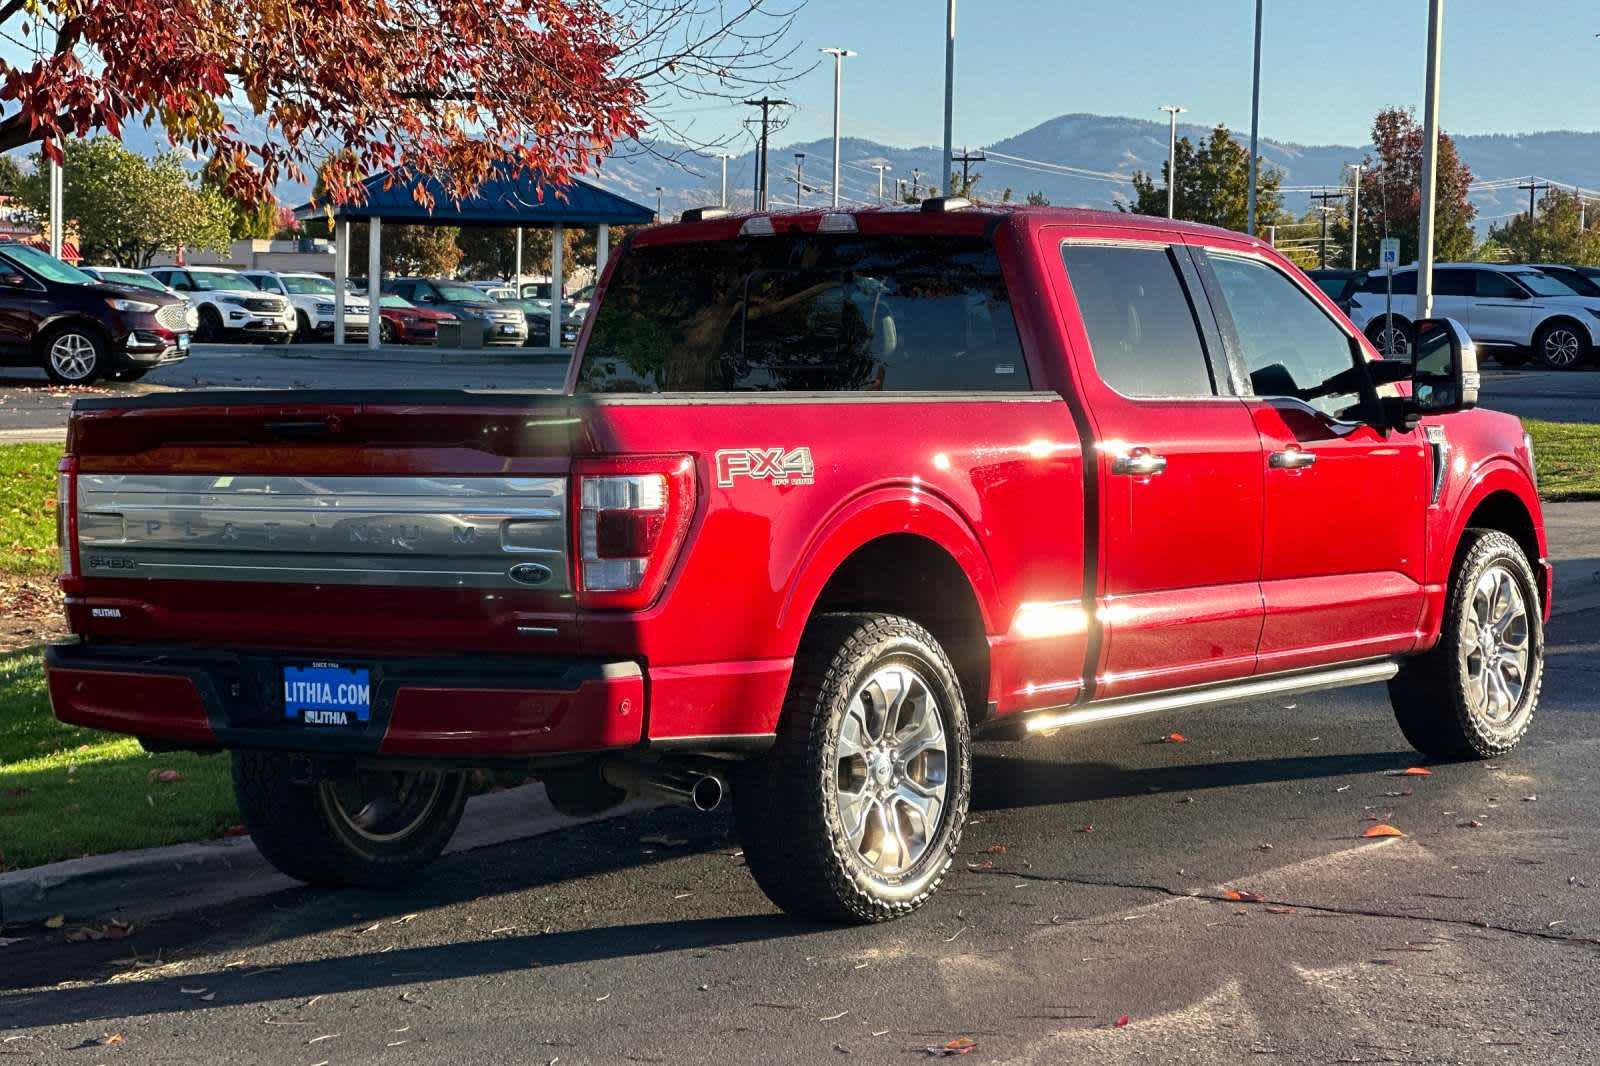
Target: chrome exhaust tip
685, 786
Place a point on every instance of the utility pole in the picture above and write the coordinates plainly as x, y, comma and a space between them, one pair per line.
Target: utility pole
966, 159
658, 203
1355, 212
1173, 112
1323, 198
57, 209
1255, 125
949, 87
916, 183
1430, 160
1533, 187
839, 56
799, 183
900, 190
880, 168
724, 201
766, 104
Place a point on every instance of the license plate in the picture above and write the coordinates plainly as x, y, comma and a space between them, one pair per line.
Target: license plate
327, 694
508, 329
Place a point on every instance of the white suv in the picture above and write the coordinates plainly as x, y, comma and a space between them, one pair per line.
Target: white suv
312, 296
228, 303
1508, 309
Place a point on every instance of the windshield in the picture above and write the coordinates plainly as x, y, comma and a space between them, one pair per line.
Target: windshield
1543, 284
461, 294
1574, 281
46, 265
220, 281
307, 286
390, 300
806, 312
132, 277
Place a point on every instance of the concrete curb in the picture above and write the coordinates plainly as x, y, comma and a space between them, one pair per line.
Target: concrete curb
42, 435
156, 882
418, 355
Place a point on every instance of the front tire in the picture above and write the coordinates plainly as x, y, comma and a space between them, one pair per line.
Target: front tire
210, 328
1561, 345
74, 355
387, 333
856, 812
1474, 695
376, 828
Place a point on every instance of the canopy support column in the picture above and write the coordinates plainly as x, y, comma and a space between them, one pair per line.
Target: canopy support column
341, 274
374, 284
558, 245
518, 281
602, 250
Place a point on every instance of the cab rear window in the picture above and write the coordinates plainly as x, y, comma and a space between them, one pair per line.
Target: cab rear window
806, 313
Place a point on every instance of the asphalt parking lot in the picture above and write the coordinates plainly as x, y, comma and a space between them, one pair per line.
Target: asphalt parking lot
1099, 881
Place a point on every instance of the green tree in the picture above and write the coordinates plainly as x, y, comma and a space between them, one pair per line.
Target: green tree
430, 251
491, 252
1556, 234
11, 176
1391, 192
1213, 185
1037, 198
126, 207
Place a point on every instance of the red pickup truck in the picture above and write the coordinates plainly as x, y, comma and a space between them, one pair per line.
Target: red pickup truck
826, 496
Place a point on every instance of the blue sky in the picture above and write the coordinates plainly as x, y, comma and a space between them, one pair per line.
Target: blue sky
1329, 66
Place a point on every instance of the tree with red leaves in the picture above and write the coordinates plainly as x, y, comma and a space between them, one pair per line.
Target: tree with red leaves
265, 90
1391, 192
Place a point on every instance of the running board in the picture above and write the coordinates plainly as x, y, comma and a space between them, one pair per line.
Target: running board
1129, 706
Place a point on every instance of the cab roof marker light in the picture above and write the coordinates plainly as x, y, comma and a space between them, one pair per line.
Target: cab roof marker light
757, 226
837, 222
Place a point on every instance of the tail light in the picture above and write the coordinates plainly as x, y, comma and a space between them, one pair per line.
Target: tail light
632, 516
67, 516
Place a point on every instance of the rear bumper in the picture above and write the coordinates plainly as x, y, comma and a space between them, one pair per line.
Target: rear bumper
429, 708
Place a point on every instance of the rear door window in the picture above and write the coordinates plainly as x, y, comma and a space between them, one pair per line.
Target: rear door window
1454, 282
1143, 332
806, 313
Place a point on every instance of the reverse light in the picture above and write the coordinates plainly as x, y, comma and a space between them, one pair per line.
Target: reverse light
632, 516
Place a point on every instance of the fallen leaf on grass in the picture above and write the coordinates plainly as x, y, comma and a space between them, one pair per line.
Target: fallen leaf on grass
959, 1046
1241, 896
164, 775
1382, 829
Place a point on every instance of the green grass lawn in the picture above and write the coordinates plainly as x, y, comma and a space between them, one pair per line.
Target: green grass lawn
66, 792
28, 508
1567, 455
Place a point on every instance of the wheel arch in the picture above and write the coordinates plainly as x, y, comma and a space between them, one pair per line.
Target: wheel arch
1579, 326
913, 556
53, 326
1502, 499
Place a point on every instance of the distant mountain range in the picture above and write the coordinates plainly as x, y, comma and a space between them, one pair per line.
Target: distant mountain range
1096, 143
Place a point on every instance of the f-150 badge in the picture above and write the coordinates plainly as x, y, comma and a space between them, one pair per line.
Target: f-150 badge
781, 466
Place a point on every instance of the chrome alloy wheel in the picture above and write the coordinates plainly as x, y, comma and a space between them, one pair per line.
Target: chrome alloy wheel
892, 767
1394, 341
73, 356
383, 806
1562, 347
1495, 638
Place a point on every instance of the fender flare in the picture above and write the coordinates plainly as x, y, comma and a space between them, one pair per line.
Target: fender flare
879, 512
1498, 475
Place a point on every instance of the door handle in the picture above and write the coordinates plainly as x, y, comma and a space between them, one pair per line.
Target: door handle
1141, 462
1291, 459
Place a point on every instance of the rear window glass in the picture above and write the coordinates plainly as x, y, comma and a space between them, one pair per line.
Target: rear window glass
806, 313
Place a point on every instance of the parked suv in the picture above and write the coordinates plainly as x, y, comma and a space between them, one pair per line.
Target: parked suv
824, 498
228, 303
79, 328
313, 298
1511, 309
501, 324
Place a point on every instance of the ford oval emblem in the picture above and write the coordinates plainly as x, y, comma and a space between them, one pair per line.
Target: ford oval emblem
529, 574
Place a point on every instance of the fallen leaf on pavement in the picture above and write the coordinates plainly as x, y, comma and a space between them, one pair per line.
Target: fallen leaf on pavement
1414, 771
1382, 829
1122, 1022
1278, 910
996, 849
1241, 896
404, 919
1175, 738
1402, 792
113, 1039
1087, 829
959, 1046
1471, 823
1530, 799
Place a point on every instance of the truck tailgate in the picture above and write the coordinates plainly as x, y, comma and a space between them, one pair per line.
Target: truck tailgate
325, 520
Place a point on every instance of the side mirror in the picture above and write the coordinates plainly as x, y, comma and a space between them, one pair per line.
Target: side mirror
1444, 370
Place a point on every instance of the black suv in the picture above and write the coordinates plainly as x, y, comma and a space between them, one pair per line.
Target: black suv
79, 329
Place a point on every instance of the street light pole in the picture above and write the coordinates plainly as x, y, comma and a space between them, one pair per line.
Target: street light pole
1255, 125
658, 203
1173, 112
1430, 160
1355, 212
949, 90
880, 168
799, 184
724, 201
839, 56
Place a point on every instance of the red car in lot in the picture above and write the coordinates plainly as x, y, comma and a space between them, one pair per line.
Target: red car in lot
827, 495
403, 322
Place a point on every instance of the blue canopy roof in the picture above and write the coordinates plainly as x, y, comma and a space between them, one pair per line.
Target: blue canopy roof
507, 199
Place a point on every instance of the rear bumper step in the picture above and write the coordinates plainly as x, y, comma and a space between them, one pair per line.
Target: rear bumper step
429, 708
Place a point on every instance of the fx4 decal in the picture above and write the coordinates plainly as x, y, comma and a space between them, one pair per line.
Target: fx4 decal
781, 466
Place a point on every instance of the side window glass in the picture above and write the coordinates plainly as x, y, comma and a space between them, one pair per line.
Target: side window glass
1141, 326
1494, 286
1455, 282
1290, 347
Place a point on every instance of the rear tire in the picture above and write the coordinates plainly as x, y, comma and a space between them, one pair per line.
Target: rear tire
376, 829
856, 812
1474, 695
1561, 345
1401, 341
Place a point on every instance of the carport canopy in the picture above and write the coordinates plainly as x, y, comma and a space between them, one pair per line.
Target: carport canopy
511, 197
